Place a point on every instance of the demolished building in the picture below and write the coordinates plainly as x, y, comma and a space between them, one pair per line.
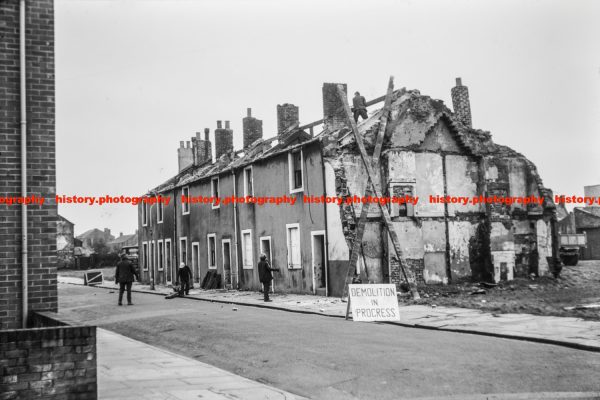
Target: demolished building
428, 151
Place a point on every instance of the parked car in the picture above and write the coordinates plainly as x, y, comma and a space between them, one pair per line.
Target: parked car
132, 253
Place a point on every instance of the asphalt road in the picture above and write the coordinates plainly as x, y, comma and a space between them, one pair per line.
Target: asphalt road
329, 358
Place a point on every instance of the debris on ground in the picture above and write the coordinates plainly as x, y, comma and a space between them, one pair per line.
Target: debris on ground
582, 307
478, 291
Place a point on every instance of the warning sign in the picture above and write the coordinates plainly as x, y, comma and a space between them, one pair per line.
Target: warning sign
373, 302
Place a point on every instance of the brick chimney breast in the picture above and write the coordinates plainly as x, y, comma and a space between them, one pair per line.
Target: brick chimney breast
252, 129
288, 115
333, 107
461, 103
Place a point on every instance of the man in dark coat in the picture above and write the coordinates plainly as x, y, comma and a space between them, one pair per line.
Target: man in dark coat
124, 274
265, 276
184, 277
359, 106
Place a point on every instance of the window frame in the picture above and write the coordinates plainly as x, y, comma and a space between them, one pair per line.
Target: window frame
212, 191
144, 214
244, 265
160, 213
160, 245
248, 170
291, 171
214, 237
145, 264
288, 247
185, 206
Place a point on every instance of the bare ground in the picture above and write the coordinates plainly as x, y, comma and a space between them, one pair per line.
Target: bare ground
576, 285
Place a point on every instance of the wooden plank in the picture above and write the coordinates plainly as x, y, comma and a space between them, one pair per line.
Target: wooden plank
360, 227
386, 215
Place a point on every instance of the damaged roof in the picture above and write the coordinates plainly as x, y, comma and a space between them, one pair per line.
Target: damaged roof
413, 114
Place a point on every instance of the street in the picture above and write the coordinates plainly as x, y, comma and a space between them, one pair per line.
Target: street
329, 358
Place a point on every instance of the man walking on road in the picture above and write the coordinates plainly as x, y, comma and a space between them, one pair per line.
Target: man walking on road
359, 106
124, 274
184, 276
265, 276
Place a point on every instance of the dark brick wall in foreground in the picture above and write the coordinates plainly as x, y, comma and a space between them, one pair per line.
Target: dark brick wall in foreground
57, 362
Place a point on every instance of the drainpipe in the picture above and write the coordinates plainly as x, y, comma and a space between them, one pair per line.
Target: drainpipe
24, 279
235, 233
152, 246
326, 225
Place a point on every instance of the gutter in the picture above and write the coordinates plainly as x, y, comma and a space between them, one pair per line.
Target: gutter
235, 236
23, 99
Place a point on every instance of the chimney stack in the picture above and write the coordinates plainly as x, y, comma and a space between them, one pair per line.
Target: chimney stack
461, 104
333, 107
185, 156
287, 117
202, 152
252, 129
223, 140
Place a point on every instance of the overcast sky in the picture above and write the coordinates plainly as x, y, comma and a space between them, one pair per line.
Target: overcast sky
133, 78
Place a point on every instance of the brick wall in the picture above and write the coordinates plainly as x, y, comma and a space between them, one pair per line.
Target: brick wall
41, 175
56, 362
461, 103
333, 109
415, 267
223, 140
253, 129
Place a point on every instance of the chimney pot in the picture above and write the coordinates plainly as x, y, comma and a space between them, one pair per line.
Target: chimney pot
219, 126
187, 144
461, 103
181, 145
249, 110
197, 135
458, 81
206, 132
226, 124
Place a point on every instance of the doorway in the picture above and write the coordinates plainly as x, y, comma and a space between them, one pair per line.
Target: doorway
226, 250
195, 259
265, 248
319, 263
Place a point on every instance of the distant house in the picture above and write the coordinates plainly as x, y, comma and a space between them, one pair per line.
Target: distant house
65, 242
122, 241
94, 236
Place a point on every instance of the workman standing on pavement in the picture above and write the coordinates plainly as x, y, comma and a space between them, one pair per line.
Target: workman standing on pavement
265, 276
124, 274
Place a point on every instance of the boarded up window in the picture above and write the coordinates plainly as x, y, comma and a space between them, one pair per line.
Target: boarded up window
247, 248
293, 248
401, 192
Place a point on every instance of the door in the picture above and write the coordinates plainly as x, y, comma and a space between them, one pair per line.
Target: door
265, 248
226, 250
319, 263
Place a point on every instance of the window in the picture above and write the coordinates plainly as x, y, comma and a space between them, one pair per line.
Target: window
247, 249
183, 250
161, 255
145, 256
144, 214
405, 209
295, 166
185, 206
293, 246
159, 213
248, 189
265, 248
214, 191
211, 242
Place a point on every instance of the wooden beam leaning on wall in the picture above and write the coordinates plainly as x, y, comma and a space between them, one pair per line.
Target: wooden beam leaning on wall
373, 185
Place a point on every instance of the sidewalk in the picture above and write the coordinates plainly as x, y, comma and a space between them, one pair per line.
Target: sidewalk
570, 332
129, 369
